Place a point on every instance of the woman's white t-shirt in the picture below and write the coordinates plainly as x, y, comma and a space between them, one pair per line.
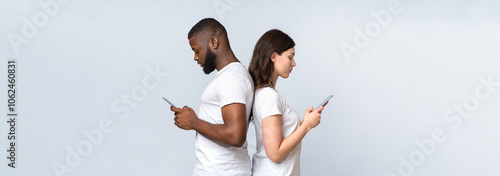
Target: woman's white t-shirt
267, 103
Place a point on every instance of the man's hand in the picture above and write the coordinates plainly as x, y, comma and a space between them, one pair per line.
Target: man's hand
232, 132
185, 118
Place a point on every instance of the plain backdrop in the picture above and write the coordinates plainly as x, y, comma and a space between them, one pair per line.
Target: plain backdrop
89, 63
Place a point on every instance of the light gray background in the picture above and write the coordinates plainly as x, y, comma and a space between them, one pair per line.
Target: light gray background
89, 54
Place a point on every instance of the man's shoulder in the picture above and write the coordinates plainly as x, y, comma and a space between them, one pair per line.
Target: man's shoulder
235, 67
235, 71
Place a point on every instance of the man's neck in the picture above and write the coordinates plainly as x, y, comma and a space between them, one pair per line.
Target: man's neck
225, 60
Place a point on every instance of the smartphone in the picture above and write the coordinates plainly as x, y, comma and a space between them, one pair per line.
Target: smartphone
171, 104
324, 102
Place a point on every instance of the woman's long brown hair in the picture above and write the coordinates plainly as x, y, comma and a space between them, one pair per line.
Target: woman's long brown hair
261, 67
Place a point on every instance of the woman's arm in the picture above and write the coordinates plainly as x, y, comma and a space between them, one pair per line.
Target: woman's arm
276, 147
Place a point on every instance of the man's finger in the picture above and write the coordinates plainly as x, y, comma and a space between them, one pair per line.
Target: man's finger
174, 109
186, 108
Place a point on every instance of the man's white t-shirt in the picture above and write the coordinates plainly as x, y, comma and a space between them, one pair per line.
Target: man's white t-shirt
232, 84
267, 103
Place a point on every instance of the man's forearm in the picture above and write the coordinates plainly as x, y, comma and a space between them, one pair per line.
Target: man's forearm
220, 133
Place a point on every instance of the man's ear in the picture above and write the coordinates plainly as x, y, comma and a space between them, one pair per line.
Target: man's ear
274, 55
214, 42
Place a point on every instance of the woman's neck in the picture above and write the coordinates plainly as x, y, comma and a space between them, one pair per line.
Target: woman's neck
273, 80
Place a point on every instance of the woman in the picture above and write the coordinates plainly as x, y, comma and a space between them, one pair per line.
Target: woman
278, 128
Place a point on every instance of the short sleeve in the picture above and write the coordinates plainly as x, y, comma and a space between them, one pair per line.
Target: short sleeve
268, 102
234, 88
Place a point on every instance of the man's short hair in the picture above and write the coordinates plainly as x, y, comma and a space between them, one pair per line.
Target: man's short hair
208, 27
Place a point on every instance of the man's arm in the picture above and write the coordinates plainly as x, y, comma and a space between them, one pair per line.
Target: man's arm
233, 132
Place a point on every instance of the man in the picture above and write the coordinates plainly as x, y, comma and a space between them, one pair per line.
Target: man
222, 122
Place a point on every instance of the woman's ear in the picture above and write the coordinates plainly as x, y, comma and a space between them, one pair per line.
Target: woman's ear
274, 55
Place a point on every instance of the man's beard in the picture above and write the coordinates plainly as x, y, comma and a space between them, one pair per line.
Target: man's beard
210, 62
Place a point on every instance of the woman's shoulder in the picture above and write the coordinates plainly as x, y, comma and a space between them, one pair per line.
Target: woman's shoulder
266, 93
267, 99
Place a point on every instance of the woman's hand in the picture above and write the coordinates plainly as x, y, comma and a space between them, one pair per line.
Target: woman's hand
312, 117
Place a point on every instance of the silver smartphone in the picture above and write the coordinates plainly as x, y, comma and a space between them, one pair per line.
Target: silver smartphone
324, 102
171, 104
